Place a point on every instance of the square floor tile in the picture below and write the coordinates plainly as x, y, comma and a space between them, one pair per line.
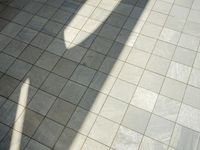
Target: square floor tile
65, 67
179, 72
5, 61
162, 7
83, 75
164, 49
19, 69
90, 144
192, 96
92, 26
92, 59
144, 99
160, 129
70, 139
68, 33
194, 78
166, 108
61, 16
136, 119
46, 11
151, 30
151, 81
102, 82
30, 121
189, 117
22, 18
103, 131
184, 56
138, 58
92, 100
4, 40
127, 139
42, 40
149, 144
61, 111
30, 54
116, 19
41, 102
48, 132
197, 61
34, 145
111, 66
158, 64
7, 85
82, 121
173, 89
113, 109
14, 48
157, 18
36, 76
47, 60
109, 32
131, 73
12, 29
3, 130
72, 92
53, 84
122, 90
184, 138
37, 23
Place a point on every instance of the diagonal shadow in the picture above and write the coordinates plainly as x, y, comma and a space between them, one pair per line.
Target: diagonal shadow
93, 58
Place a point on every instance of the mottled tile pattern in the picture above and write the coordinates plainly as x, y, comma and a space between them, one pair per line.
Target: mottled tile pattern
100, 74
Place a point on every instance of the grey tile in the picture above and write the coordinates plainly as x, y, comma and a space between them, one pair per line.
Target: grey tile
122, 90
5, 61
173, 89
41, 102
3, 130
14, 48
26, 35
8, 112
167, 108
19, 69
22, 18
52, 28
116, 19
7, 85
48, 132
184, 138
72, 92
61, 111
12, 29
46, 11
33, 7
34, 145
92, 100
2, 100
82, 121
160, 129
92, 59
4, 40
189, 117
70, 139
36, 76
37, 23
30, 120
47, 61
103, 131
113, 109
109, 31
61, 16
30, 54
136, 119
83, 75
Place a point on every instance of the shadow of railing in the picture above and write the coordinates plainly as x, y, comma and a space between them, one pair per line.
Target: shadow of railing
100, 44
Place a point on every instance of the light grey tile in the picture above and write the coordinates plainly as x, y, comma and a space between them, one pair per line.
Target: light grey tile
136, 119
192, 28
113, 109
144, 99
150, 144
175, 23
173, 89
189, 117
166, 108
194, 78
72, 92
122, 90
151, 81
162, 7
61, 111
48, 132
90, 144
81, 121
160, 129
179, 11
103, 131
184, 138
126, 139
157, 18
151, 30
41, 102
197, 61
92, 26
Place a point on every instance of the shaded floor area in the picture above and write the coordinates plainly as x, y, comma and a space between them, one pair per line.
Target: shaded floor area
100, 74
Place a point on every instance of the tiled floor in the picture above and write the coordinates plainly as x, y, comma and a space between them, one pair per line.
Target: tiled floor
100, 74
